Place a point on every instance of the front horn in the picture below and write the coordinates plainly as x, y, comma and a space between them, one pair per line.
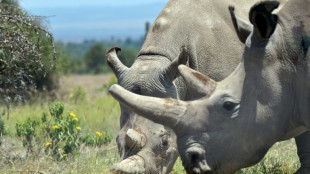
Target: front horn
114, 63
165, 111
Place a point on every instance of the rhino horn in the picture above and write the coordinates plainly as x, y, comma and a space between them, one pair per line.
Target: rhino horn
263, 20
243, 28
198, 84
164, 111
133, 164
134, 139
171, 70
114, 62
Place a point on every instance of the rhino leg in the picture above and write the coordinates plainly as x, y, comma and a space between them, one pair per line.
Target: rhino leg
303, 151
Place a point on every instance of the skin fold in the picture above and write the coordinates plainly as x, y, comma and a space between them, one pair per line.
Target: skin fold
235, 121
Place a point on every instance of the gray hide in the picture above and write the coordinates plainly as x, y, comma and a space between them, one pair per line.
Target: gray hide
203, 29
200, 27
265, 99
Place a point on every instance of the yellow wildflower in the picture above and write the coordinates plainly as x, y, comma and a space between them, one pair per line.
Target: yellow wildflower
70, 89
99, 134
75, 119
55, 127
78, 128
48, 143
72, 114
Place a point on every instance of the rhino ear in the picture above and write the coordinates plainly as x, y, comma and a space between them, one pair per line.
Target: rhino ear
263, 20
243, 28
198, 84
114, 63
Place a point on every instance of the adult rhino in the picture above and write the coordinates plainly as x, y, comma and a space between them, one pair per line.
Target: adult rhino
265, 99
202, 28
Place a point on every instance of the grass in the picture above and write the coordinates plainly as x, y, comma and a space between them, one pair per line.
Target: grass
281, 159
91, 160
100, 112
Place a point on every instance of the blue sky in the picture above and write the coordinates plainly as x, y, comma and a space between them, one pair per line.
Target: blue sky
76, 20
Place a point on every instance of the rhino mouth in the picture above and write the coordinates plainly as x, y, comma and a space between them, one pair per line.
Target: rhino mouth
195, 160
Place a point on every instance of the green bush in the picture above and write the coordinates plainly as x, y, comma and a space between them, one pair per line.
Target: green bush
27, 51
98, 140
94, 58
57, 134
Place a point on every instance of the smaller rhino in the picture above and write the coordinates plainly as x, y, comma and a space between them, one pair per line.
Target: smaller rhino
265, 99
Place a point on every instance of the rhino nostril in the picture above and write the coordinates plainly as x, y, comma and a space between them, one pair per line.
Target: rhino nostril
196, 161
194, 158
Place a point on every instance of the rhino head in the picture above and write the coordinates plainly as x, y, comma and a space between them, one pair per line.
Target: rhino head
235, 121
144, 146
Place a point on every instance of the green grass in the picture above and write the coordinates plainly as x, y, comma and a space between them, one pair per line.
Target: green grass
98, 114
91, 160
281, 159
101, 113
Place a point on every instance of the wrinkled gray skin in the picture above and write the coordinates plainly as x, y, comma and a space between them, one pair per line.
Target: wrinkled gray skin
200, 27
265, 99
203, 29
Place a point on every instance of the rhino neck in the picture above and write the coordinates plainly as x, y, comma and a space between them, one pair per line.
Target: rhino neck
294, 21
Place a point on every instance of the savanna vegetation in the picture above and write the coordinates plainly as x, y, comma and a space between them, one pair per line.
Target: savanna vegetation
56, 115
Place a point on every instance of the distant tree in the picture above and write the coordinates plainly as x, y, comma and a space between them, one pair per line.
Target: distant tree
127, 56
147, 27
95, 58
26, 50
128, 41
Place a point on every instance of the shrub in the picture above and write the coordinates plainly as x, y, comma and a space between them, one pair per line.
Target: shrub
57, 134
94, 58
98, 140
27, 51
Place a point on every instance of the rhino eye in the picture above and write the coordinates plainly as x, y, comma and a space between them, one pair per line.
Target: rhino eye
229, 105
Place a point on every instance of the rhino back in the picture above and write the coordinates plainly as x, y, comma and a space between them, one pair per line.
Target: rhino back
205, 28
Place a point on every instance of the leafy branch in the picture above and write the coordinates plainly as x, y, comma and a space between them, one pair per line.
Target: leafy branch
27, 51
